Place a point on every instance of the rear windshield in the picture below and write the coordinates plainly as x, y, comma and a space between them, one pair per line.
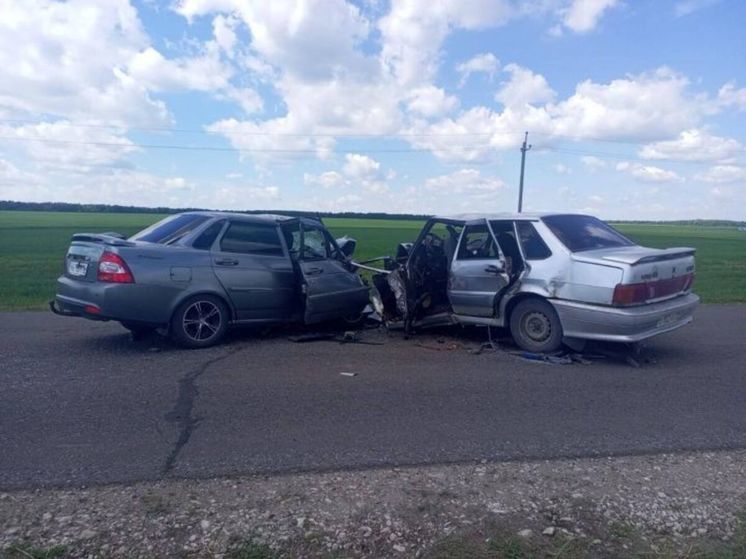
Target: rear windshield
583, 232
170, 229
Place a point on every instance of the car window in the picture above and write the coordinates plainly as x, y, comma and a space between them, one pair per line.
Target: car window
170, 229
477, 243
251, 238
534, 247
207, 238
583, 232
315, 243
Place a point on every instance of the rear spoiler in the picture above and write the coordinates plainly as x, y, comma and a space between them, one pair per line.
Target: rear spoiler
113, 239
658, 256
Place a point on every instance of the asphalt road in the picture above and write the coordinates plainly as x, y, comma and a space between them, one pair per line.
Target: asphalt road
82, 404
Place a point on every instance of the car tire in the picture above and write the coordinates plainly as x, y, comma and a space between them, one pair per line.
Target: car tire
200, 321
535, 326
138, 331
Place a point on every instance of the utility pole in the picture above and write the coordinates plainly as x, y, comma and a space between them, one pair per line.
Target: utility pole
524, 149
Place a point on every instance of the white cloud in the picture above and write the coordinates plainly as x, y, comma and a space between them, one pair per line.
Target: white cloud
431, 101
202, 73
730, 96
648, 173
686, 7
69, 146
66, 59
562, 169
361, 166
413, 31
485, 63
582, 16
722, 174
524, 88
328, 179
693, 145
593, 163
464, 181
223, 28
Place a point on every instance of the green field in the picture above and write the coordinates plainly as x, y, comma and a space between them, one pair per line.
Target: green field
32, 246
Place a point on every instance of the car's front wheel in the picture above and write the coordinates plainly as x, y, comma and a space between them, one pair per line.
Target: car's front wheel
535, 326
200, 321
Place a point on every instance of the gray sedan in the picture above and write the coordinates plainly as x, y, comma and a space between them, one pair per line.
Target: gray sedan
549, 278
197, 273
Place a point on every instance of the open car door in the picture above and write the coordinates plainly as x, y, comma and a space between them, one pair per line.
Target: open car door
477, 276
331, 289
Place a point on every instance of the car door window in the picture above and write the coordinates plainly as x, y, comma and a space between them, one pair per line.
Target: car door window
315, 244
477, 243
251, 238
534, 247
207, 238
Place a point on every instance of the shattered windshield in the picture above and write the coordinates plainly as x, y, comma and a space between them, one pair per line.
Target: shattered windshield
583, 232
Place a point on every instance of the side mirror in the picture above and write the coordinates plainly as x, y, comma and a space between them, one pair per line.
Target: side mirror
347, 245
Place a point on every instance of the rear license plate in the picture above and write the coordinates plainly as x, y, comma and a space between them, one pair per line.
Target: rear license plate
672, 318
77, 268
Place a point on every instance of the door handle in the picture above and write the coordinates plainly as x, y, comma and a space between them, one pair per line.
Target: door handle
314, 271
492, 269
226, 262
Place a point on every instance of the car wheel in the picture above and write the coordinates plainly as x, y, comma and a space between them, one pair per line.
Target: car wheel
535, 326
200, 321
138, 331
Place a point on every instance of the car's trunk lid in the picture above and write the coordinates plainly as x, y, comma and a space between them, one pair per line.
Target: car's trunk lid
84, 253
660, 273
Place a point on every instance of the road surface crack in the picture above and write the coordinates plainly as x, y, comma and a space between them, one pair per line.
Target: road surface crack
182, 412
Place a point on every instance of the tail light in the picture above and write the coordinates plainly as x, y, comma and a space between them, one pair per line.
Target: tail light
638, 293
112, 268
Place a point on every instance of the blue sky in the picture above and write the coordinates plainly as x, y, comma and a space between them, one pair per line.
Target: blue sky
635, 109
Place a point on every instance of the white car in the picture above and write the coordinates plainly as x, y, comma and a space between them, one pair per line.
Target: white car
549, 278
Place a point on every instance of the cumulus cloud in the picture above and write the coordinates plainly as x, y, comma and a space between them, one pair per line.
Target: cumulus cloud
582, 16
686, 7
648, 173
361, 166
524, 88
464, 181
593, 163
731, 96
328, 179
484, 63
723, 174
693, 145
430, 101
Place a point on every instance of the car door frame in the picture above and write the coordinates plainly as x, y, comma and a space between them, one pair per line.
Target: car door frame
329, 287
469, 284
265, 274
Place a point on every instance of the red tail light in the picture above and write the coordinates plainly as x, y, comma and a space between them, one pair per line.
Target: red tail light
112, 268
638, 293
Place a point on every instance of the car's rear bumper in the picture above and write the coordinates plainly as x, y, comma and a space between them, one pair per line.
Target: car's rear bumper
625, 324
111, 301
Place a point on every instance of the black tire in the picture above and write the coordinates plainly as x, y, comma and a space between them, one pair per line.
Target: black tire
535, 326
200, 321
139, 331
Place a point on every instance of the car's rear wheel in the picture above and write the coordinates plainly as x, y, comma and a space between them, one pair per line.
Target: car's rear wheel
200, 321
535, 326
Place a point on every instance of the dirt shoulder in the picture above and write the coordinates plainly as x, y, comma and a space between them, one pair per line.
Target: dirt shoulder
657, 505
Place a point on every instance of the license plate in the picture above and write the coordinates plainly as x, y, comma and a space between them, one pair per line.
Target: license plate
77, 268
672, 318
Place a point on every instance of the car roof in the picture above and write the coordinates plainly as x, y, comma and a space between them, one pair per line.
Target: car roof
256, 218
478, 217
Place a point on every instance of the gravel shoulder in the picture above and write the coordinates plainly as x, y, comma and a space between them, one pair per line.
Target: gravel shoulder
656, 505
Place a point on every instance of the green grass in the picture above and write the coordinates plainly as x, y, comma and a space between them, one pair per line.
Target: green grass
33, 244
